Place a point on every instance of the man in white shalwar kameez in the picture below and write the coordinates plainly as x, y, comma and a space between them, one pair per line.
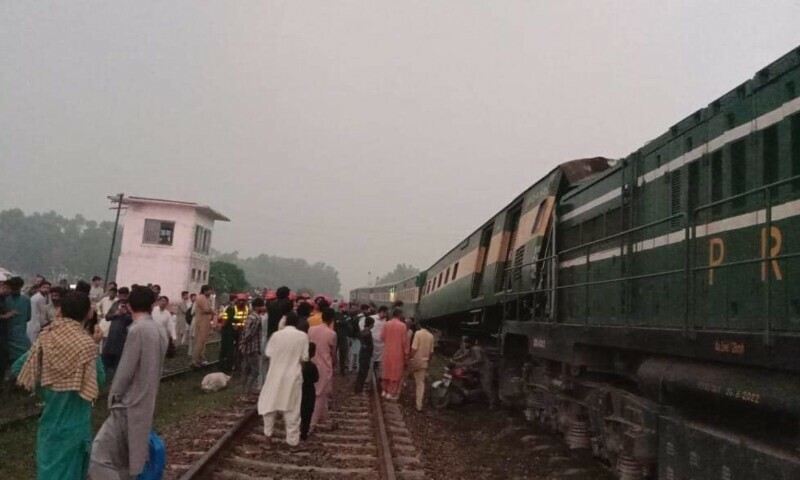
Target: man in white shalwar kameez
282, 389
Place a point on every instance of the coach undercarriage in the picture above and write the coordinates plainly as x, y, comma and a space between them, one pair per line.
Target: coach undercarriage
649, 419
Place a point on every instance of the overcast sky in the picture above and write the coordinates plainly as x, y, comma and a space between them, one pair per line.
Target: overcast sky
358, 133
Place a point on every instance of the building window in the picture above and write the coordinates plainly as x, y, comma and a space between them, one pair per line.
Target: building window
158, 232
194, 274
447, 276
205, 275
202, 239
455, 270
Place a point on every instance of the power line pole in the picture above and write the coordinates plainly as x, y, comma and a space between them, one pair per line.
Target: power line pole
118, 200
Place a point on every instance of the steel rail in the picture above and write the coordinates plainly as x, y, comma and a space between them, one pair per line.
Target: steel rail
199, 467
384, 451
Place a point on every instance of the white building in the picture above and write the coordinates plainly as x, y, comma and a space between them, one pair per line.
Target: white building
166, 242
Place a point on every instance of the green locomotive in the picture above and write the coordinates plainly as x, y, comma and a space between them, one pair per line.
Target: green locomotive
647, 307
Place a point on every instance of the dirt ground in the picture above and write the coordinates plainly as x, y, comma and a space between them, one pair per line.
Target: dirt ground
472, 442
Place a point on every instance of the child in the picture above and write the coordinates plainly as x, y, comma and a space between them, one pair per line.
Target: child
310, 377
365, 355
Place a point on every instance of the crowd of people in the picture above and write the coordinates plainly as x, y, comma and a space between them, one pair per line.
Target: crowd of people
66, 343
296, 344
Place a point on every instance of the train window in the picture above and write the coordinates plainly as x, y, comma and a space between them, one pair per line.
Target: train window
694, 190
593, 229
539, 217
613, 221
571, 237
447, 276
795, 132
738, 171
716, 178
731, 119
455, 270
769, 155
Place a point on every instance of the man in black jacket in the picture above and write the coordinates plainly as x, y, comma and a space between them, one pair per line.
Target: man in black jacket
341, 325
365, 355
277, 309
120, 318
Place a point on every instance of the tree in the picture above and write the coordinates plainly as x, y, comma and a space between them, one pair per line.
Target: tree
400, 272
55, 246
296, 273
227, 277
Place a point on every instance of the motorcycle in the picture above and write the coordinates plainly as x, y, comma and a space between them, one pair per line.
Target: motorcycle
458, 385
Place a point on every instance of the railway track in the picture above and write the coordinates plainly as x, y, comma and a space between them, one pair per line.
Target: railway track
365, 439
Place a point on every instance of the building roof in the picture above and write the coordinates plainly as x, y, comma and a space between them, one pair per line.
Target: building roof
205, 209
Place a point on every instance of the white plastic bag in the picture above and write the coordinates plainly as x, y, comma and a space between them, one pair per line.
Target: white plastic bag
214, 382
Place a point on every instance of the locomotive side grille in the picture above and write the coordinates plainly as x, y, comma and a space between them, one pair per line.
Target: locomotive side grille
518, 256
675, 199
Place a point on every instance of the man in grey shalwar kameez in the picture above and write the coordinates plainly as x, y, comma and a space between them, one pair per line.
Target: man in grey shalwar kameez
121, 447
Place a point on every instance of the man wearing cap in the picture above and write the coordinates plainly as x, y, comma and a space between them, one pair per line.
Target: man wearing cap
233, 320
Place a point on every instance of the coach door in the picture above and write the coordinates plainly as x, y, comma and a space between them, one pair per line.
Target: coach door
480, 262
506, 260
